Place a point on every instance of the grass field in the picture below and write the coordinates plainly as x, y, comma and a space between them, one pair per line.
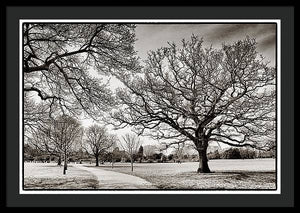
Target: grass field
227, 174
49, 176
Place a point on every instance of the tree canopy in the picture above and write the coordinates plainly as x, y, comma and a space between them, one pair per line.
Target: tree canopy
59, 136
98, 141
202, 95
59, 61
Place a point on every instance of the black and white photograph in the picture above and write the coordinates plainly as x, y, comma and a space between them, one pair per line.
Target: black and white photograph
149, 106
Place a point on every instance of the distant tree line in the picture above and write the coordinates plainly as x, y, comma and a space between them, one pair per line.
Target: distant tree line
240, 153
116, 155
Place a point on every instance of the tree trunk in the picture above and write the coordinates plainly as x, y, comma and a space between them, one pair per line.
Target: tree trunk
97, 160
65, 168
131, 164
65, 164
59, 161
203, 165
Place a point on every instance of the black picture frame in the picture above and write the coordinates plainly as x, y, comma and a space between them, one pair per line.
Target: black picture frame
14, 199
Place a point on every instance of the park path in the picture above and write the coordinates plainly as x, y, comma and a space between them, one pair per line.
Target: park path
116, 180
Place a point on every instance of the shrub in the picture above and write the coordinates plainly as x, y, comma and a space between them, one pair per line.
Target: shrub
156, 156
232, 153
247, 154
170, 157
163, 159
214, 155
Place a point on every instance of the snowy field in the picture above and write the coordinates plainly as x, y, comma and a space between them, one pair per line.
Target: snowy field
50, 176
226, 174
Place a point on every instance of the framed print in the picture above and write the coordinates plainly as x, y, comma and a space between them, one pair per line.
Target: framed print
141, 110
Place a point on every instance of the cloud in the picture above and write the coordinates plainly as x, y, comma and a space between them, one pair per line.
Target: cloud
153, 36
231, 31
268, 41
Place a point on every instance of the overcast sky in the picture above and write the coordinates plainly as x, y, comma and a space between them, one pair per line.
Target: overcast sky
153, 36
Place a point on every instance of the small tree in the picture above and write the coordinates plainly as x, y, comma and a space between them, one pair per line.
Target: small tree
114, 151
57, 137
179, 152
131, 146
98, 141
45, 141
65, 133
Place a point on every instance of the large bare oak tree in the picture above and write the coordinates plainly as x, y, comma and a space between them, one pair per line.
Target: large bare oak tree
198, 94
